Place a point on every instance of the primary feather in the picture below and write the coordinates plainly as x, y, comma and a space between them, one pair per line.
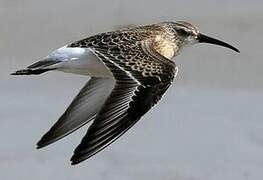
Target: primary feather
83, 109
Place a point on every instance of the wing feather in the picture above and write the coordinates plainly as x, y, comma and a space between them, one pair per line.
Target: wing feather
83, 109
133, 95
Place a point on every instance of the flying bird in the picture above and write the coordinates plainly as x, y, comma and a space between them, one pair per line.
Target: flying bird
130, 70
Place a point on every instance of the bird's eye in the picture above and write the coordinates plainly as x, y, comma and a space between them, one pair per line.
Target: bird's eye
183, 32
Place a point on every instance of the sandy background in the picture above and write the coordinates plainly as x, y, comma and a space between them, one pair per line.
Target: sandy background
208, 126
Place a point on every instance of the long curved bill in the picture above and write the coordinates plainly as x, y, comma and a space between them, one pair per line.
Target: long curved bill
206, 39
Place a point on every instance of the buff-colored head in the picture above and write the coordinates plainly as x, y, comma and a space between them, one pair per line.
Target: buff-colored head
187, 34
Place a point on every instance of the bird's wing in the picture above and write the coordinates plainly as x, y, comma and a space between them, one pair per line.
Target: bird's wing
142, 76
82, 109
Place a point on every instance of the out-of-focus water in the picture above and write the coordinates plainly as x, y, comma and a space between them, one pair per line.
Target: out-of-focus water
208, 126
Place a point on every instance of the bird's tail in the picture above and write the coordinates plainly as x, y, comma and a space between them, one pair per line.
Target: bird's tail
30, 71
37, 68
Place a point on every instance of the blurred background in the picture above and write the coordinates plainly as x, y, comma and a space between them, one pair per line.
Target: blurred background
208, 125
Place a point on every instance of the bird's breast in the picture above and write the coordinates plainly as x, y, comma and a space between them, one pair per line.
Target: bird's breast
164, 47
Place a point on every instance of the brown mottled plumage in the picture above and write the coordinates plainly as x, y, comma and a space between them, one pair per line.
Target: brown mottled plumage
130, 70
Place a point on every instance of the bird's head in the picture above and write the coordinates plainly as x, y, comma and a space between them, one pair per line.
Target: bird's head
186, 34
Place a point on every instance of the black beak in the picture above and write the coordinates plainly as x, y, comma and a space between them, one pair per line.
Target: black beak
205, 39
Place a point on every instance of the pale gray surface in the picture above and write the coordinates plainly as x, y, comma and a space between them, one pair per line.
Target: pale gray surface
207, 127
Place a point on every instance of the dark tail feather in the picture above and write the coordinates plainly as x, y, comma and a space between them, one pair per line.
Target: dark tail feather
37, 68
43, 64
30, 71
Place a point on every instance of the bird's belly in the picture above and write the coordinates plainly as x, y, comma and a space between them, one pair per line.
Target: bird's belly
86, 66
81, 61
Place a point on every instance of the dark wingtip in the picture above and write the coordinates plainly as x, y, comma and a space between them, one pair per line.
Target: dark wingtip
40, 145
79, 157
43, 142
73, 163
75, 160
